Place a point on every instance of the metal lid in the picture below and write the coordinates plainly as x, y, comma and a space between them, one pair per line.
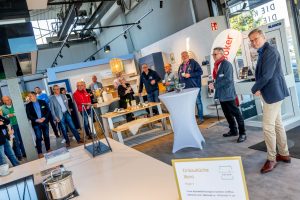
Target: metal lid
54, 178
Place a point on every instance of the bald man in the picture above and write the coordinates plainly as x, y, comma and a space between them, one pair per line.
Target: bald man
169, 79
95, 84
9, 113
190, 72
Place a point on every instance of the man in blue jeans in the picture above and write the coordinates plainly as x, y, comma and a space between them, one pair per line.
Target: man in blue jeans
5, 148
44, 97
61, 114
189, 72
9, 113
150, 79
38, 113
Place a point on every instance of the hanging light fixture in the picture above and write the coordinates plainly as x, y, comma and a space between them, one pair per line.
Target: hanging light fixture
116, 65
107, 49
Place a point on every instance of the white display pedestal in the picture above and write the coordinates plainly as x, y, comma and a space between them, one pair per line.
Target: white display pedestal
181, 107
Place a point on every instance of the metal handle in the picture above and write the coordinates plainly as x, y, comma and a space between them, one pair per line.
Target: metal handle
55, 170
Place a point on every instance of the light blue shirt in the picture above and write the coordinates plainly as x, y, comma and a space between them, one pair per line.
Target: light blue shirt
43, 97
61, 103
37, 109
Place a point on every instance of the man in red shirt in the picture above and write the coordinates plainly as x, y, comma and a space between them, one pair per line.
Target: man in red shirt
82, 97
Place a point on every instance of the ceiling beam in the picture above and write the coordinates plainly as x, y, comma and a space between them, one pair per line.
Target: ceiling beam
73, 2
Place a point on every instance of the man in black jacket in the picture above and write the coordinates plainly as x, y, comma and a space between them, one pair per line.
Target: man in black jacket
150, 79
38, 113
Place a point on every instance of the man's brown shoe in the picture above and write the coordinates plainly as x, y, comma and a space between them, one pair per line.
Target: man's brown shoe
80, 141
40, 155
268, 166
286, 159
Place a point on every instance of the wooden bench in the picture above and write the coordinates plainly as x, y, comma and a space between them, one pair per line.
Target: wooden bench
142, 121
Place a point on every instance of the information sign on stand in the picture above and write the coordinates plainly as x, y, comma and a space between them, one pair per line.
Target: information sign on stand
211, 179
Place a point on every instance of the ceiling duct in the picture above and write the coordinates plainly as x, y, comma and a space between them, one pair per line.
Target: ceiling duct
67, 23
96, 16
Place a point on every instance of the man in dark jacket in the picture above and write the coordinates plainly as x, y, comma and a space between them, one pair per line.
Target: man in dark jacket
225, 93
189, 72
38, 113
271, 86
150, 79
5, 148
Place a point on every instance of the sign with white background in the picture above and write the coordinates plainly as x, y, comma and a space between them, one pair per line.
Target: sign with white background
211, 179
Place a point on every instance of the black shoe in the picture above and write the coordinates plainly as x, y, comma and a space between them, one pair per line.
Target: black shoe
241, 138
229, 134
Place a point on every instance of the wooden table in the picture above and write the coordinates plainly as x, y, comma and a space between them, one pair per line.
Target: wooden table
123, 174
107, 117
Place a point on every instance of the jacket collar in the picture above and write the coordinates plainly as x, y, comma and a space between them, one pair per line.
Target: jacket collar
261, 50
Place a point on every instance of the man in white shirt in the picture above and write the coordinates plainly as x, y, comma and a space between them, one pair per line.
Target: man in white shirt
59, 110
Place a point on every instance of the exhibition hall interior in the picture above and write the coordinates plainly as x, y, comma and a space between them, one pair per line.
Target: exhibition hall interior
149, 99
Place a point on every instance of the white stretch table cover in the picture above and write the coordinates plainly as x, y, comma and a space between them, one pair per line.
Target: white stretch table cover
123, 174
181, 107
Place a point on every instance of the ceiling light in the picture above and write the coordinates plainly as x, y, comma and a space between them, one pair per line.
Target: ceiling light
107, 49
60, 55
125, 36
139, 27
67, 45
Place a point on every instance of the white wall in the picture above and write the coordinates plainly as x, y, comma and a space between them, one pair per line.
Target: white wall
197, 38
76, 53
101, 71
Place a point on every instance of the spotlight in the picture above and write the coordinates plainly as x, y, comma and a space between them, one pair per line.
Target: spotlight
60, 55
55, 62
92, 58
125, 36
161, 4
139, 27
67, 45
107, 49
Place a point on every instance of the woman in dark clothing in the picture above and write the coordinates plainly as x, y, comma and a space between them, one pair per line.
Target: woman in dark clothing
126, 95
5, 148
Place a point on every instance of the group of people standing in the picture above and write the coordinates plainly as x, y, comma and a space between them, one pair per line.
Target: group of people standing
270, 86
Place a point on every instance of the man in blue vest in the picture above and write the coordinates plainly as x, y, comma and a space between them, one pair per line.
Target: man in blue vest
271, 87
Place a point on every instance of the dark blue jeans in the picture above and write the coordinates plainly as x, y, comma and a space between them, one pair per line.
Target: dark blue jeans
199, 106
153, 96
67, 120
86, 121
42, 132
5, 149
18, 146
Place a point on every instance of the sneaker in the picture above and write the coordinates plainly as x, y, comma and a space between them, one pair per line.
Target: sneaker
63, 141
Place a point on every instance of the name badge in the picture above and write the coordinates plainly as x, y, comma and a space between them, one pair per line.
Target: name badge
221, 75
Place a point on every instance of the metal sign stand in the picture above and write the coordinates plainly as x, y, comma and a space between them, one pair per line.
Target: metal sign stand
97, 147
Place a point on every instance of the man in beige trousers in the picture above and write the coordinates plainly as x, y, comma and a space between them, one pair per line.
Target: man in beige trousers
270, 85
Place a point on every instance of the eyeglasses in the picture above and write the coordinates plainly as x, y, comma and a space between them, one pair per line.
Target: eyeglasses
214, 54
254, 40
